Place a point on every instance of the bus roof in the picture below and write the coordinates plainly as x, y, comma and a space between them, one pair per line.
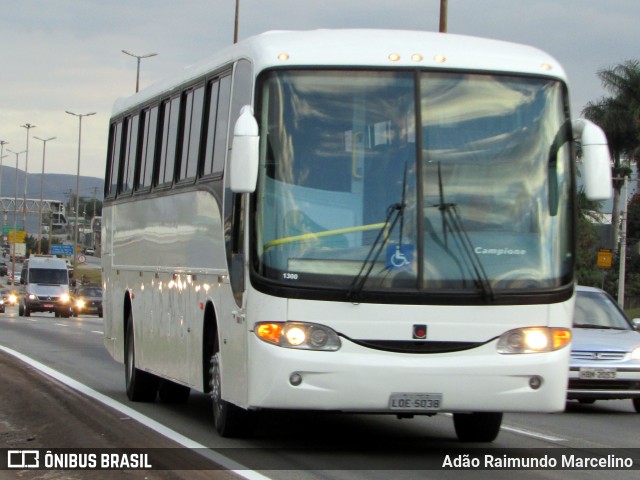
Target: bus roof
363, 48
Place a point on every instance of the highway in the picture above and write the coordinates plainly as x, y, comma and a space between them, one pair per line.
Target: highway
324, 446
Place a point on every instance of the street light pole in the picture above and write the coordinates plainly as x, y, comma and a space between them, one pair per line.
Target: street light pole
235, 24
44, 149
623, 246
138, 57
28, 126
2, 155
75, 237
443, 15
15, 223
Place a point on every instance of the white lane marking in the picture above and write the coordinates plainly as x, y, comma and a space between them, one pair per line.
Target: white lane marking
186, 442
531, 433
98, 332
61, 324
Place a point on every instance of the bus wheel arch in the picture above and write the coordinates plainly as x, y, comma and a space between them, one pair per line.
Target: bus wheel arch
229, 419
141, 386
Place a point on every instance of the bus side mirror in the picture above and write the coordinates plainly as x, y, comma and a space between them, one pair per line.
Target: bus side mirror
596, 159
243, 172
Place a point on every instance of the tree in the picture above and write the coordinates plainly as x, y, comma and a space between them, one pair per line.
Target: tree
587, 272
619, 116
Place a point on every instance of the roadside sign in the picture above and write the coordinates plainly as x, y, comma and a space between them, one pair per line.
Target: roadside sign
9, 228
82, 259
605, 257
61, 249
20, 236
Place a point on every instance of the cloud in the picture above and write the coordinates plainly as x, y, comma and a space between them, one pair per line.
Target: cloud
66, 54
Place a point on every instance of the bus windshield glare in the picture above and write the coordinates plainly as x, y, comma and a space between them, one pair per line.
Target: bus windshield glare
375, 182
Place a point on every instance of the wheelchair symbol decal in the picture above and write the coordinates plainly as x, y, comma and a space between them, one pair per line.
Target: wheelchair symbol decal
399, 256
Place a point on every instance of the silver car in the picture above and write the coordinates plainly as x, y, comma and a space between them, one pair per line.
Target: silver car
605, 351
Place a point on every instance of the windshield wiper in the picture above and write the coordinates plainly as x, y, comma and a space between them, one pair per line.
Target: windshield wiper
451, 221
596, 327
395, 210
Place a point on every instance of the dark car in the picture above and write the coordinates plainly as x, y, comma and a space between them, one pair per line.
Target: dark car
87, 300
605, 352
4, 269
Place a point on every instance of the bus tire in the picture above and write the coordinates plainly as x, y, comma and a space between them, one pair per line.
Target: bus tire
141, 386
171, 392
636, 404
477, 426
229, 419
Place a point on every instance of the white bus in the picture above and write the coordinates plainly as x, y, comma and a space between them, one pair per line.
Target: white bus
353, 220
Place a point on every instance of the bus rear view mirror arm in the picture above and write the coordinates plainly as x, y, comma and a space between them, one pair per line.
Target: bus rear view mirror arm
244, 153
596, 159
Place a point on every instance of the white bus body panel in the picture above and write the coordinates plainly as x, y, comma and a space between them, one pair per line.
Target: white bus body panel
357, 378
165, 254
366, 48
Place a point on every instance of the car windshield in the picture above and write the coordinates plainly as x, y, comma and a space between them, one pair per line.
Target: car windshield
597, 310
380, 181
54, 276
90, 292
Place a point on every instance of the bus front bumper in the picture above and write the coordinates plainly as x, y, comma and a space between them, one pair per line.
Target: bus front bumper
359, 379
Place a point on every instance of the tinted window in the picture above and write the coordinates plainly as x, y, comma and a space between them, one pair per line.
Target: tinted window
222, 125
130, 153
194, 103
170, 122
114, 160
150, 124
212, 90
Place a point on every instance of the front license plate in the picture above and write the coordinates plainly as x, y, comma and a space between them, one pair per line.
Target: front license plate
597, 373
415, 402
48, 305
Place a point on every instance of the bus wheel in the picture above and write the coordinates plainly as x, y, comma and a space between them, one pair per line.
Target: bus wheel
636, 404
229, 419
171, 392
141, 386
477, 426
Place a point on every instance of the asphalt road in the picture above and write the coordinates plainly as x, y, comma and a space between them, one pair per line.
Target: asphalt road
285, 445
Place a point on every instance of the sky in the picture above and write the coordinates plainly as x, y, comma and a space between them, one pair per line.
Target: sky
59, 55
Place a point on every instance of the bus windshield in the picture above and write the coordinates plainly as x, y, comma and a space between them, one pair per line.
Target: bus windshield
385, 181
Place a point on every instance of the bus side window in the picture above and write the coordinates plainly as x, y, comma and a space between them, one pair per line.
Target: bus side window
113, 165
193, 108
219, 96
148, 148
130, 153
168, 150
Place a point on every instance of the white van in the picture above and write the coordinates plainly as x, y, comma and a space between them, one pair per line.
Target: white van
46, 286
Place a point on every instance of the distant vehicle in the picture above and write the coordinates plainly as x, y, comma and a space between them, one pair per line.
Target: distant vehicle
89, 251
46, 281
4, 269
605, 356
87, 300
16, 277
9, 297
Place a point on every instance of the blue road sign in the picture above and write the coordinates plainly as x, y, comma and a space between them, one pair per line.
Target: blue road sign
61, 249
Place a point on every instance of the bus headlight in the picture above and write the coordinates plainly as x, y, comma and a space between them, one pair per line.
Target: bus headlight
64, 298
533, 340
302, 335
